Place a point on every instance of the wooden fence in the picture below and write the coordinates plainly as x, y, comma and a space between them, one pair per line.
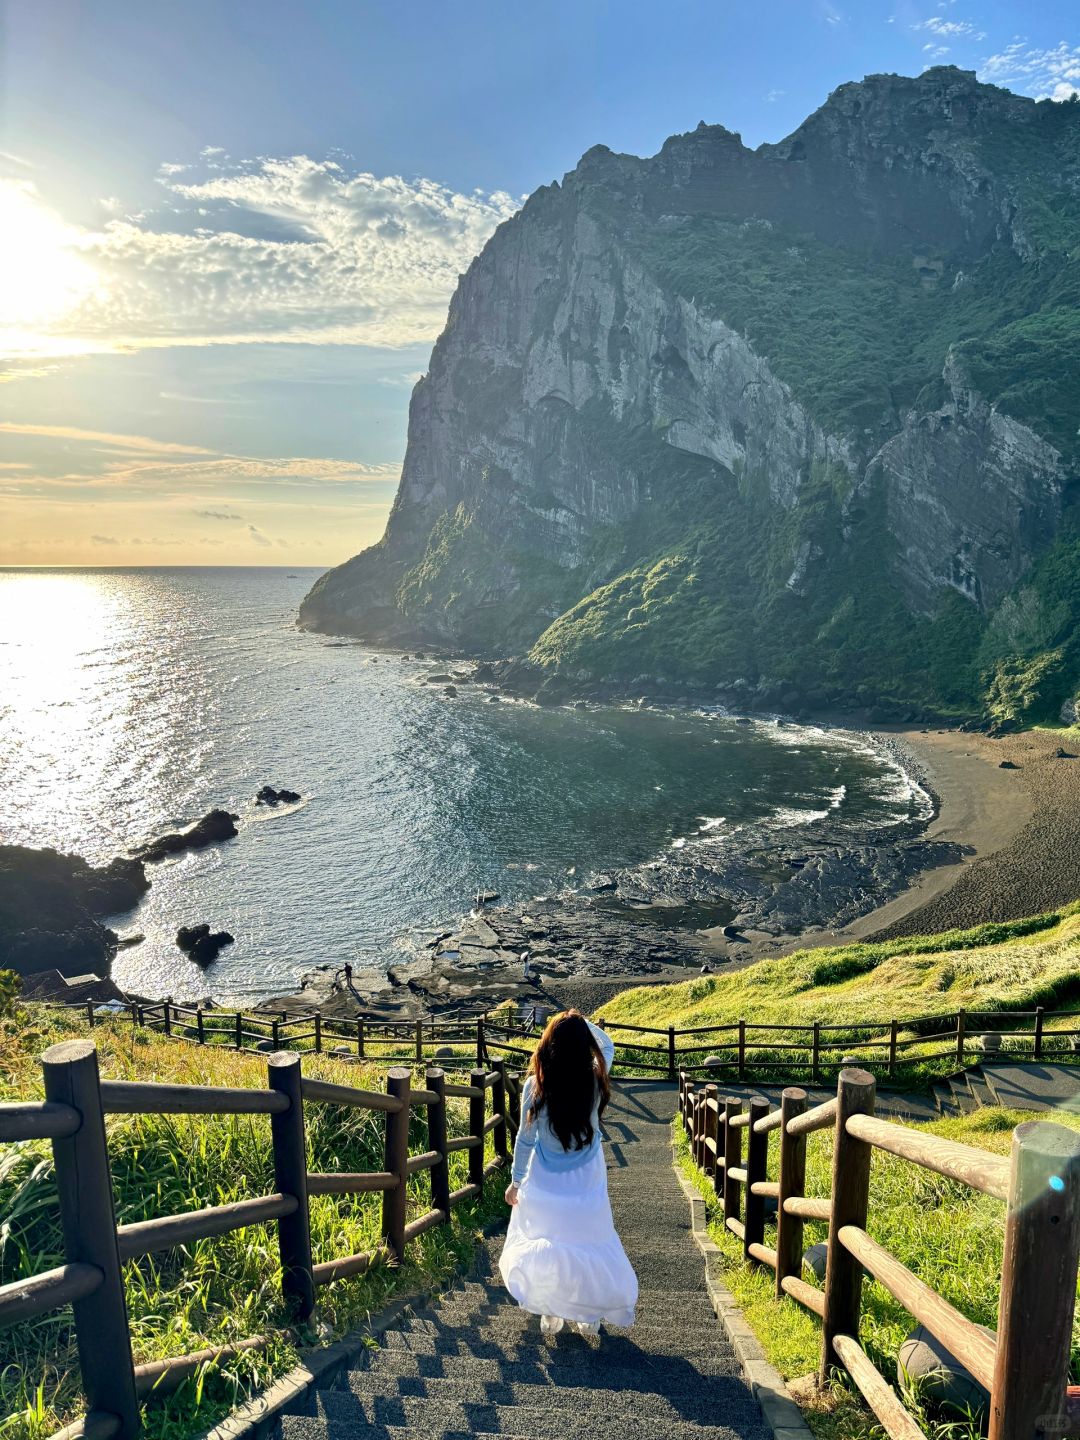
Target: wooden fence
361, 1038
1024, 1367
741, 1050
745, 1050
72, 1115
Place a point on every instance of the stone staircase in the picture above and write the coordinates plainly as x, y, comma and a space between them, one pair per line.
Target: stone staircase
1031, 1086
472, 1364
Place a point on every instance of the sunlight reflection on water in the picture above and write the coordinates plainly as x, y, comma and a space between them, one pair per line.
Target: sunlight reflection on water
132, 701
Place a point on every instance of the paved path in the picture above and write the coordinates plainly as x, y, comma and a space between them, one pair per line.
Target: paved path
473, 1364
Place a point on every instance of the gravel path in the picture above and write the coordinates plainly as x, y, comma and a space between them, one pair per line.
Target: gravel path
473, 1364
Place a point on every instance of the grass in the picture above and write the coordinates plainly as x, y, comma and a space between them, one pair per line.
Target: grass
217, 1290
990, 971
949, 1235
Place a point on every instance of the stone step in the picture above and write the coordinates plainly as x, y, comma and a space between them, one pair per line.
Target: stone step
344, 1413
680, 1390
686, 1309
553, 1367
300, 1427
686, 1400
487, 1343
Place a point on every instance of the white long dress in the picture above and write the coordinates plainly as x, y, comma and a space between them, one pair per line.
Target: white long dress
562, 1255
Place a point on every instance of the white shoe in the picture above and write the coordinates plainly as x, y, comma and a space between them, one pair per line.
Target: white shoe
583, 1329
550, 1324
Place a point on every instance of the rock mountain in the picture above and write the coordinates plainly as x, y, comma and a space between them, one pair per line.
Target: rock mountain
798, 421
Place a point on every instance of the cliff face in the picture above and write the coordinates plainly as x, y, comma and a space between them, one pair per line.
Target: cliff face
827, 386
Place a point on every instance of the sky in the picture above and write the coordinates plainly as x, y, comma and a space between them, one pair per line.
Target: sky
230, 229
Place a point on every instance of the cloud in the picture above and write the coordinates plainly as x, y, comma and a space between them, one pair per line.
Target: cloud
217, 515
960, 29
774, 95
258, 536
104, 438
290, 249
1052, 74
104, 540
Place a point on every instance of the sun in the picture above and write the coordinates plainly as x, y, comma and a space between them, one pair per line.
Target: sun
43, 275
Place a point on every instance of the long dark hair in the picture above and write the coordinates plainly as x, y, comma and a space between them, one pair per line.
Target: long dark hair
567, 1069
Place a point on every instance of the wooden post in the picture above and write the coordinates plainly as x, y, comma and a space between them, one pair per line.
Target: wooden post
436, 1127
816, 1055
1038, 1284
1038, 1032
671, 1052
850, 1199
360, 1037
498, 1107
239, 1031
515, 1083
477, 1112
894, 1028
88, 1217
742, 1049
318, 1032
961, 1026
200, 1026
166, 1013
419, 1039
732, 1158
789, 1228
757, 1167
90, 1013
710, 1130
481, 1044
290, 1178
275, 1033
395, 1202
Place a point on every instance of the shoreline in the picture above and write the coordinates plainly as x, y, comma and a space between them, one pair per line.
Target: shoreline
584, 953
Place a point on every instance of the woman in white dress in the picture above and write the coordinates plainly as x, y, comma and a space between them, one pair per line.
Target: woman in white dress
562, 1259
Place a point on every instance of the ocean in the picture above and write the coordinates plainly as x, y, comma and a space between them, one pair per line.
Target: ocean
133, 701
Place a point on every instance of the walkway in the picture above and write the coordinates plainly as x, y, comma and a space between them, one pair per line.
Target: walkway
473, 1364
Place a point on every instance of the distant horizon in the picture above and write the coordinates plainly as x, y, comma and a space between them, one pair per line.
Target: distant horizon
229, 234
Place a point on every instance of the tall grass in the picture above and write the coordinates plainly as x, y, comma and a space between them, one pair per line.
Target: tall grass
213, 1291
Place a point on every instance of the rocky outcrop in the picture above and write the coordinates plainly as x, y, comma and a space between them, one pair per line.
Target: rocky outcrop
201, 943
52, 909
215, 826
656, 356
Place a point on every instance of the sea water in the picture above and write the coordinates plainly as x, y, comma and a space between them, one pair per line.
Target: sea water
133, 701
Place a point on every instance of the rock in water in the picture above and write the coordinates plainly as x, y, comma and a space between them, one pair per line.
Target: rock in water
214, 826
52, 907
269, 796
202, 944
609, 381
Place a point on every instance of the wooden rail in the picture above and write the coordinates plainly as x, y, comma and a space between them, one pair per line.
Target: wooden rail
737, 1050
72, 1115
361, 1038
1024, 1367
815, 1052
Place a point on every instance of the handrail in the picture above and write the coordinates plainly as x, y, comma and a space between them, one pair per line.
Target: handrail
143, 1237
73, 1115
977, 1168
37, 1120
148, 1097
974, 1347
1040, 1184
346, 1095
